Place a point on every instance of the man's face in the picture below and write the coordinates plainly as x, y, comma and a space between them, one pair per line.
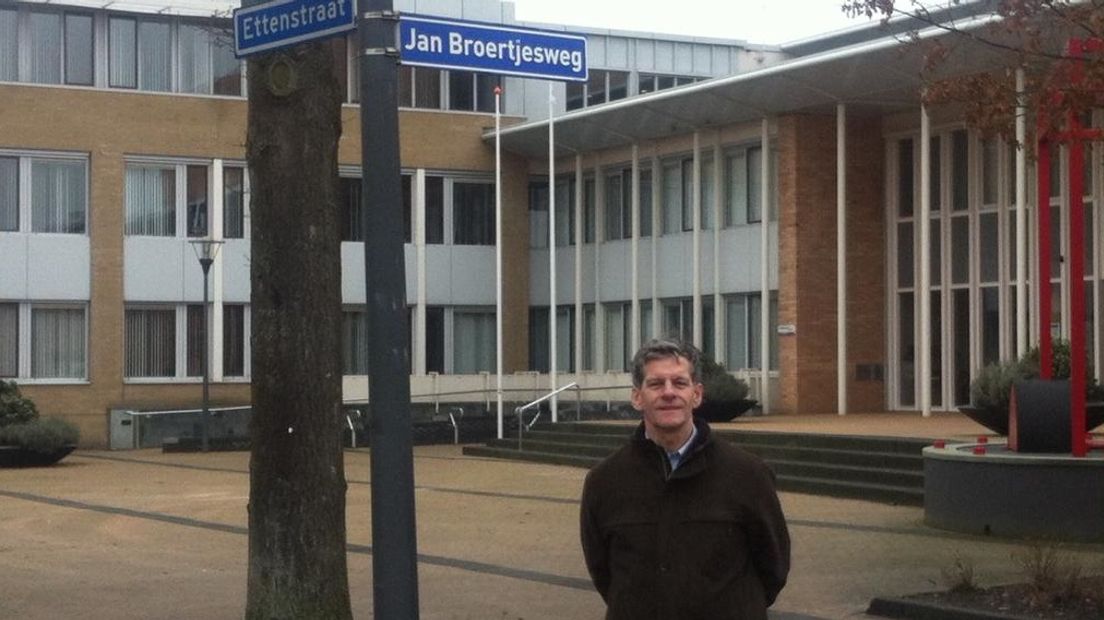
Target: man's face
668, 396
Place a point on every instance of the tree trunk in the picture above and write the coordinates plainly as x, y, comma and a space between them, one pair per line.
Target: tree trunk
297, 561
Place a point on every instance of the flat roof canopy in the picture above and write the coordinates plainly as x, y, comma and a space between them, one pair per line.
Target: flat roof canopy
875, 76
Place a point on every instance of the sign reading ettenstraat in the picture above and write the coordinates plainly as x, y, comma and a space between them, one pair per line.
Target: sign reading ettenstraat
507, 50
282, 23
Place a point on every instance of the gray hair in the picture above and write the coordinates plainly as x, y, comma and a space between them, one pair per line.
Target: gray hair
662, 348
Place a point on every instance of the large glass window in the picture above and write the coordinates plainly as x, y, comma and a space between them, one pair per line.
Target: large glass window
754, 185
58, 343
646, 203
151, 200
473, 218
615, 205
9, 340
196, 339
538, 214
225, 68
435, 210
352, 218
427, 88
197, 201
58, 196
194, 68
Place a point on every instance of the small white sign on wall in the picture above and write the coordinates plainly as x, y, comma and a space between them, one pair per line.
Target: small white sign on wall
787, 329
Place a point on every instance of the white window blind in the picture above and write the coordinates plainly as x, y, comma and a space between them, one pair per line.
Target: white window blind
57, 343
151, 201
9, 193
473, 342
45, 48
150, 342
9, 340
9, 46
58, 191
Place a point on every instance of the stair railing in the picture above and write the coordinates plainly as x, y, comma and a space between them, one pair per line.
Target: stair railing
455, 425
520, 411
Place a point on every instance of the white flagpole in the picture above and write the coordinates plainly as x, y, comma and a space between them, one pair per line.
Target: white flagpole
552, 253
498, 254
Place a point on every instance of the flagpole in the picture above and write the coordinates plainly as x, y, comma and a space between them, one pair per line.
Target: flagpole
552, 253
498, 255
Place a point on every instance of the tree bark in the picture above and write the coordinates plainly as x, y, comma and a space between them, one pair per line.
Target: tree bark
297, 554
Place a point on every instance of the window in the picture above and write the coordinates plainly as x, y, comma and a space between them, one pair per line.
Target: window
154, 56
354, 342
473, 217
352, 218
54, 335
78, 49
196, 336
618, 339
742, 199
471, 91
151, 201
194, 68
538, 214
615, 205
435, 339
197, 201
672, 197
55, 200
600, 87
9, 194
9, 45
708, 187
565, 212
122, 42
225, 68
420, 87
233, 202
407, 207
150, 342
58, 196
234, 337
9, 340
45, 48
646, 203
539, 351
57, 342
590, 217
687, 194
650, 82
435, 209
473, 340
743, 343
678, 319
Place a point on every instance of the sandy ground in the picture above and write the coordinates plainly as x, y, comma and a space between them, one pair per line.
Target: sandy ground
141, 534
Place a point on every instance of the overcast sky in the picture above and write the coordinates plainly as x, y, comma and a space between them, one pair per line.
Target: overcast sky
756, 21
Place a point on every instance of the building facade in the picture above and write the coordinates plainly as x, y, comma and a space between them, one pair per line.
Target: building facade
697, 192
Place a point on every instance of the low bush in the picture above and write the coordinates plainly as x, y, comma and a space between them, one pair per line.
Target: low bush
993, 384
44, 435
719, 386
14, 407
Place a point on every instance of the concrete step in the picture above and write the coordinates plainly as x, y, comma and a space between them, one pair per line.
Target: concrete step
853, 458
533, 457
837, 488
864, 475
554, 447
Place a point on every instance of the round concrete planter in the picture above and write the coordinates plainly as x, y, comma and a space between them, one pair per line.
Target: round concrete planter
996, 420
18, 456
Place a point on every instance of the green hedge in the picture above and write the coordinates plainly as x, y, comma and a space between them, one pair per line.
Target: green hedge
44, 435
14, 407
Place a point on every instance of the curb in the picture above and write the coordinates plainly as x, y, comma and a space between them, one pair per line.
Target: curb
908, 609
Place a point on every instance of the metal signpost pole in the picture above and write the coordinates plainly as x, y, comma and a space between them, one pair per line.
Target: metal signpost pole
394, 546
498, 255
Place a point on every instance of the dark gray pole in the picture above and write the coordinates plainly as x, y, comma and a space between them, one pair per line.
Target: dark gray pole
394, 544
206, 264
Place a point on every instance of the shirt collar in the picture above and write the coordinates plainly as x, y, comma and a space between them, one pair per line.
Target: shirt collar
678, 456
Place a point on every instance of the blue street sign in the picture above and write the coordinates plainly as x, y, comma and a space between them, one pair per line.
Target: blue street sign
283, 23
508, 50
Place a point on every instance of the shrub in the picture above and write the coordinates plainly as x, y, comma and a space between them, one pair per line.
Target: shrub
44, 435
991, 388
959, 577
14, 407
719, 386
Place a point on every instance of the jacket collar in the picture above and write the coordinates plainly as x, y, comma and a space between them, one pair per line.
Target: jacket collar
691, 463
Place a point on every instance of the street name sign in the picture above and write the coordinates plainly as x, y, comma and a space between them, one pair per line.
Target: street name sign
272, 25
492, 48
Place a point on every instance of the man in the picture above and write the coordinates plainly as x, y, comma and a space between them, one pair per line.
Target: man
679, 524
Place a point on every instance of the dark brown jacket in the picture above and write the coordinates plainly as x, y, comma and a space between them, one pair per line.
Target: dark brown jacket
705, 542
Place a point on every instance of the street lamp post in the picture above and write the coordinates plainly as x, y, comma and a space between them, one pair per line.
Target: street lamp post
206, 250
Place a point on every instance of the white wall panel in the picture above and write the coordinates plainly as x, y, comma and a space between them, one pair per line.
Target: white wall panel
675, 266
645, 54
58, 267
664, 56
615, 271
352, 273
684, 57
596, 51
617, 53
703, 58
235, 271
483, 10
472, 275
13, 266
154, 268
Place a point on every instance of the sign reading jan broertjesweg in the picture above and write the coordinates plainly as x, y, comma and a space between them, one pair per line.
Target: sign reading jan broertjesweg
507, 50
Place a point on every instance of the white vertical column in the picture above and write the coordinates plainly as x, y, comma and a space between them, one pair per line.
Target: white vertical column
841, 258
579, 224
215, 220
923, 290
1021, 217
552, 340
695, 236
418, 194
599, 235
718, 308
764, 266
634, 287
657, 202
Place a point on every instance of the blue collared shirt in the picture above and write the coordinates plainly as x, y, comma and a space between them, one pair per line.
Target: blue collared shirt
676, 457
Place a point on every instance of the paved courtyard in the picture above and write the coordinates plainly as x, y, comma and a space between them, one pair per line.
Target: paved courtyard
129, 535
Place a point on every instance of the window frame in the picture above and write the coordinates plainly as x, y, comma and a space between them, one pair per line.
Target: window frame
25, 161
25, 343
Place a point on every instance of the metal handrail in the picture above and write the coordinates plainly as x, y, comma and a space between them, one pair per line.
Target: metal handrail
520, 411
349, 422
455, 425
